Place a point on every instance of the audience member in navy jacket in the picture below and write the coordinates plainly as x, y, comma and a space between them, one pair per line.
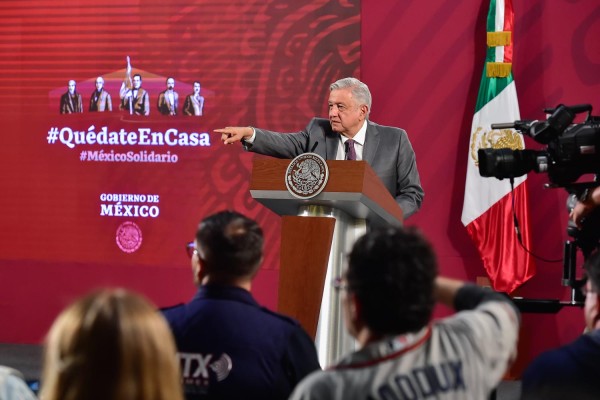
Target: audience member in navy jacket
571, 371
229, 346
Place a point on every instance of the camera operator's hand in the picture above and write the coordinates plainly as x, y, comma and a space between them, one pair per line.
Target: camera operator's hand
589, 201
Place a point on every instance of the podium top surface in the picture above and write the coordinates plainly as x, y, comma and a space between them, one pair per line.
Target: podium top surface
353, 187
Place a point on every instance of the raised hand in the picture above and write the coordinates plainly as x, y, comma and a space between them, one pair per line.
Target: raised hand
232, 134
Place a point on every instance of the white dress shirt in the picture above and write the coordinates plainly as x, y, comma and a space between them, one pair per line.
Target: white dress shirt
359, 144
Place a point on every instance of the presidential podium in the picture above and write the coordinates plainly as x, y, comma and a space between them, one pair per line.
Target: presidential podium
316, 236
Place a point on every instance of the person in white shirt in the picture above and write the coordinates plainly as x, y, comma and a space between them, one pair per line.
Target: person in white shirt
388, 295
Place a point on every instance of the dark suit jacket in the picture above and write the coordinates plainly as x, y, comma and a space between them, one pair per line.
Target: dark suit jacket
386, 149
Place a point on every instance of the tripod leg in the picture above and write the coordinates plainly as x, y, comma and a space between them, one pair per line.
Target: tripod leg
569, 261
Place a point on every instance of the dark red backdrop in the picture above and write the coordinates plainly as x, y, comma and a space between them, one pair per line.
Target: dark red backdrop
423, 63
269, 64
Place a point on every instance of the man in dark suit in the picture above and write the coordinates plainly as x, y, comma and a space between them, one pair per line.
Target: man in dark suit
348, 134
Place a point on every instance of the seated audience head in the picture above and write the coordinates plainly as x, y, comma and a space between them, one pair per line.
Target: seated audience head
228, 249
390, 282
592, 286
112, 344
571, 371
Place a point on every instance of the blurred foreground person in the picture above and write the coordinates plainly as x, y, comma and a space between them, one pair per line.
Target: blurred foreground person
229, 346
13, 386
571, 371
110, 345
586, 203
389, 292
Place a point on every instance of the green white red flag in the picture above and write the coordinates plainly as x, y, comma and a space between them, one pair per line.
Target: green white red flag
488, 206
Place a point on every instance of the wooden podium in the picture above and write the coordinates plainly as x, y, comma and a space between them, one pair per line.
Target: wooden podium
316, 236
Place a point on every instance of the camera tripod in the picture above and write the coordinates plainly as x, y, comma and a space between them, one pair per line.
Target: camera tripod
586, 240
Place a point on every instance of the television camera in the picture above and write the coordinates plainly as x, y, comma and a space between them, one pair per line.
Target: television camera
572, 150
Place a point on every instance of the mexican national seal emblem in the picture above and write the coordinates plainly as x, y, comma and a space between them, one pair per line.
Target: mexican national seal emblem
129, 237
494, 139
306, 176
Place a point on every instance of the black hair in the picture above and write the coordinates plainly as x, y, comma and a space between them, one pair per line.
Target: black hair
392, 272
231, 244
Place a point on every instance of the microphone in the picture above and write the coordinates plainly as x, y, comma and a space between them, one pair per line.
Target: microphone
314, 147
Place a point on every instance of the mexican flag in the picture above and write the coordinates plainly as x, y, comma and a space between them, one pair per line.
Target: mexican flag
489, 203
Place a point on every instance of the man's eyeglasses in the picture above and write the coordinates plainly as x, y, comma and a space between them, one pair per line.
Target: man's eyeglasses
190, 249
